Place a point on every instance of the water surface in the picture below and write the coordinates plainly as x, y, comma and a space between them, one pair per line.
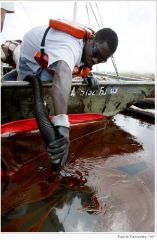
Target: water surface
117, 159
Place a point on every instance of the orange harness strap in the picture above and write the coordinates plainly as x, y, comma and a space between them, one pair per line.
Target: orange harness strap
82, 72
71, 28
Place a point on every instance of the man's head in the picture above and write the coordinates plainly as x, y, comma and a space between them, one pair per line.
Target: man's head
99, 48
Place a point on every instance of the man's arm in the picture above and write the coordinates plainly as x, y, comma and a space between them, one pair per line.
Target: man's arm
61, 86
58, 150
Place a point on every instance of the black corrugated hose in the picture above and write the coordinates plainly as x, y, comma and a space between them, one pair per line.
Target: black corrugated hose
45, 126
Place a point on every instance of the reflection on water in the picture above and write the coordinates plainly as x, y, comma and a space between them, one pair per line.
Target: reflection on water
133, 169
117, 159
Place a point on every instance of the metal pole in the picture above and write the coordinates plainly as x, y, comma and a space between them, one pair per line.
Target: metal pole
75, 12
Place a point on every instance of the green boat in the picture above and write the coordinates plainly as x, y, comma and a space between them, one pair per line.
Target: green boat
114, 95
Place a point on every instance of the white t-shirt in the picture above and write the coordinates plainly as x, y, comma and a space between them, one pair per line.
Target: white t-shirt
58, 46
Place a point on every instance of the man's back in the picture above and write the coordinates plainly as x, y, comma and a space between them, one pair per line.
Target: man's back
58, 46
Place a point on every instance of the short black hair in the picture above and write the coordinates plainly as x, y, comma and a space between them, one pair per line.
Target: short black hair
109, 36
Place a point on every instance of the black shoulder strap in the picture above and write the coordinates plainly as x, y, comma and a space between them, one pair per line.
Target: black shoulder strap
42, 46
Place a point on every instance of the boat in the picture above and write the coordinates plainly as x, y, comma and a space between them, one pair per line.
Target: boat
114, 95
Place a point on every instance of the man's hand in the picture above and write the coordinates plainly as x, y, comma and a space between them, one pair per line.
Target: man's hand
58, 149
92, 82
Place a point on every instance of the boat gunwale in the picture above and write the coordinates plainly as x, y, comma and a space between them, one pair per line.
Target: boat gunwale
18, 83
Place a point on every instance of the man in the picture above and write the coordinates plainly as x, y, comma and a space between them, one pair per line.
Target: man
64, 52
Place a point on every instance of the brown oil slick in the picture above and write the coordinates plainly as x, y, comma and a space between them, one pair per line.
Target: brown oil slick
117, 197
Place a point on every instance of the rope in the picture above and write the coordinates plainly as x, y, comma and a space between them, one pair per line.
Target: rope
94, 14
112, 57
88, 15
27, 13
99, 14
115, 67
